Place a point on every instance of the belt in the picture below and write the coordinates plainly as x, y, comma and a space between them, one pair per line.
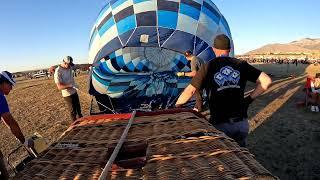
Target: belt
230, 120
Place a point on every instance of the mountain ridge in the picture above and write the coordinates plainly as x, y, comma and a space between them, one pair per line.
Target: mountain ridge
306, 45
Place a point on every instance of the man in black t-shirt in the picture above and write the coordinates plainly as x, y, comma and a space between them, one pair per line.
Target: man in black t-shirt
224, 78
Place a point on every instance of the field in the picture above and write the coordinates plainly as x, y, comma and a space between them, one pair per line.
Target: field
284, 136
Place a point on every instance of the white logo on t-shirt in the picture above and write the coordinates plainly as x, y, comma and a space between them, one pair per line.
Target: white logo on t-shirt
227, 77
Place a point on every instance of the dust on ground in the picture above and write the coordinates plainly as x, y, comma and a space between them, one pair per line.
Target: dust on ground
284, 137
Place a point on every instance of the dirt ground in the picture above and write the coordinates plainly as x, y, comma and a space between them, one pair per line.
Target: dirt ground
284, 137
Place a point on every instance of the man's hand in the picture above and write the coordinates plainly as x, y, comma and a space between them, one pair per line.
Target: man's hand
76, 87
180, 74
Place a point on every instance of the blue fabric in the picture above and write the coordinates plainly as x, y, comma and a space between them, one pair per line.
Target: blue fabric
4, 108
152, 40
207, 55
126, 24
146, 71
106, 26
95, 32
104, 9
120, 61
225, 24
117, 3
180, 41
200, 46
237, 131
210, 15
189, 11
139, 1
105, 69
125, 37
167, 19
164, 34
110, 47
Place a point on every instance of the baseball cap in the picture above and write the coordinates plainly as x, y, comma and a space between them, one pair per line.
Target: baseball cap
7, 76
68, 60
222, 42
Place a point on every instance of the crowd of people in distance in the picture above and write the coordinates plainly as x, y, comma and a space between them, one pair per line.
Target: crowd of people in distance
280, 61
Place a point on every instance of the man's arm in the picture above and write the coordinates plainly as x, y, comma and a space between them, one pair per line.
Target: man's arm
186, 95
58, 80
196, 83
13, 126
63, 86
262, 84
193, 65
191, 74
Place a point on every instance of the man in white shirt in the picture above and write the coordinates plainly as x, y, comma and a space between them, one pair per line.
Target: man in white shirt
64, 80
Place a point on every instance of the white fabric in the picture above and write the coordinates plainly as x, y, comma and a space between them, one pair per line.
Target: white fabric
64, 76
4, 74
314, 90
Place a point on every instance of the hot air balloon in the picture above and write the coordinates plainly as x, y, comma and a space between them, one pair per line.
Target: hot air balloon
136, 47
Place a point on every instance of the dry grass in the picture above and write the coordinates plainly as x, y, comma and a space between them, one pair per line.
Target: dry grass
284, 138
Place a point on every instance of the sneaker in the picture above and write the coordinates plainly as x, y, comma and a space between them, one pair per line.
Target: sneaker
313, 108
316, 108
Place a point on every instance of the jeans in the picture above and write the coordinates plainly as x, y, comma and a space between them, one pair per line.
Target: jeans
73, 104
237, 131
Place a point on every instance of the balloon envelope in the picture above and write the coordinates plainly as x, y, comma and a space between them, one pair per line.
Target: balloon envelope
138, 45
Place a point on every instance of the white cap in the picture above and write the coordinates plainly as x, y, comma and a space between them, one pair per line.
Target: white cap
8, 76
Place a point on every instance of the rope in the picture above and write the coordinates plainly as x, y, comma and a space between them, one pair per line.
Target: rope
106, 170
113, 111
89, 96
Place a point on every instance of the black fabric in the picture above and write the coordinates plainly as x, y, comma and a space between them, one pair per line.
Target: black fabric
125, 36
168, 5
73, 104
124, 13
148, 18
208, 6
225, 79
105, 20
115, 64
164, 34
104, 101
192, 4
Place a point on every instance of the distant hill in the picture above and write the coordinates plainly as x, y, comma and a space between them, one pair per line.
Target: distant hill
306, 45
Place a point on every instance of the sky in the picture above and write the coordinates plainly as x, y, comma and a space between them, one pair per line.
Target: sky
36, 34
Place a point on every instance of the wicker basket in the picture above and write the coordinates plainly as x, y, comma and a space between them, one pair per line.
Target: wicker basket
50, 170
190, 145
177, 145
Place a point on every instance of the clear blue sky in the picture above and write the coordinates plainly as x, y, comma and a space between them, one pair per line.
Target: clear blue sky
39, 33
